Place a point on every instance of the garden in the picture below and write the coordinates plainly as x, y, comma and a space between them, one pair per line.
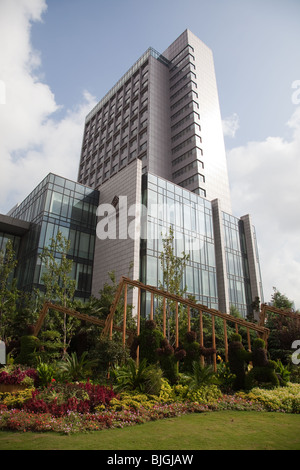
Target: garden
78, 394
67, 377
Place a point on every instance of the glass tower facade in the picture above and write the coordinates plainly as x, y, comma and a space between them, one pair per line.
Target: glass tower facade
193, 223
190, 217
237, 263
58, 204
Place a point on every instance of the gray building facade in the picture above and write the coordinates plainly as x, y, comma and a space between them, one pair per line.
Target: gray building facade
157, 136
164, 111
155, 139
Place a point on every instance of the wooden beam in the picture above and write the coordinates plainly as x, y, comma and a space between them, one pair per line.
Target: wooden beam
125, 315
194, 305
109, 320
225, 340
249, 340
214, 343
201, 335
152, 306
177, 325
164, 317
189, 317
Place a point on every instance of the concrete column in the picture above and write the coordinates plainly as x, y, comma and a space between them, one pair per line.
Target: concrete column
222, 280
253, 259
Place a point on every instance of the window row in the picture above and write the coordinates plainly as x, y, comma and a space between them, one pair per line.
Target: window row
194, 152
194, 127
194, 164
194, 139
82, 244
185, 216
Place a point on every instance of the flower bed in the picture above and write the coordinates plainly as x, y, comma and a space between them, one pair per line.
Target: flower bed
58, 400
21, 420
81, 407
18, 376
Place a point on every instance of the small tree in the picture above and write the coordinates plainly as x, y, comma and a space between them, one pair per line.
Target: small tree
280, 300
59, 286
172, 280
283, 330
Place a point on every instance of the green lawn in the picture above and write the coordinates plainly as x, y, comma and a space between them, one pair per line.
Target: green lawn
226, 430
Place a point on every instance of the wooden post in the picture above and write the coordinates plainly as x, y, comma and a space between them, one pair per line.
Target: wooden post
125, 315
225, 339
177, 326
214, 342
111, 328
41, 318
236, 328
138, 325
201, 336
189, 317
248, 338
151, 307
164, 317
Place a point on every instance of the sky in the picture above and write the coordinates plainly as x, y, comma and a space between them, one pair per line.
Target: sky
58, 58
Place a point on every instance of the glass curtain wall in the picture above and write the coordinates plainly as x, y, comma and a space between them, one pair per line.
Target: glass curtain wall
237, 264
190, 217
58, 204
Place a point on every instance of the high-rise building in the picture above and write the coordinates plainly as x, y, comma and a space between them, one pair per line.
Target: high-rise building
165, 112
156, 137
153, 157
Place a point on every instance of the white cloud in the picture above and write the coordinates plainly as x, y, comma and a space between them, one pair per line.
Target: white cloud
230, 125
34, 141
265, 183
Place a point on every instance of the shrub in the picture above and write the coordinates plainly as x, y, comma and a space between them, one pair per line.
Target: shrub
74, 368
205, 394
201, 375
155, 349
60, 399
12, 375
144, 378
263, 371
15, 399
29, 344
237, 357
285, 399
108, 354
282, 373
193, 351
225, 377
128, 401
166, 394
46, 373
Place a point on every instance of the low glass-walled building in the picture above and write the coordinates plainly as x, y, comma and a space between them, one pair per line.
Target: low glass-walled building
190, 217
220, 251
58, 204
237, 263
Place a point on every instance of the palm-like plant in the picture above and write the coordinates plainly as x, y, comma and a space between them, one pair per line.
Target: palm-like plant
144, 378
202, 375
74, 368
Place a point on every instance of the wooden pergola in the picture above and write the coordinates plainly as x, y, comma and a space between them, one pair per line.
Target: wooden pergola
284, 313
73, 313
261, 330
